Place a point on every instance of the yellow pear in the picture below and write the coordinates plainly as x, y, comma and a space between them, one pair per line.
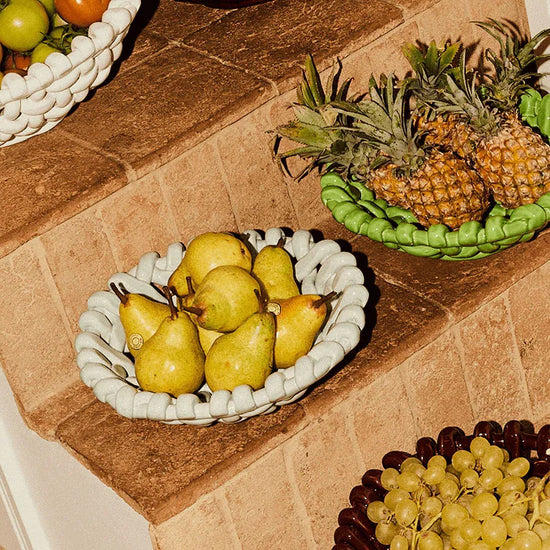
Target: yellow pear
172, 360
299, 320
226, 297
208, 337
140, 317
204, 253
244, 356
274, 269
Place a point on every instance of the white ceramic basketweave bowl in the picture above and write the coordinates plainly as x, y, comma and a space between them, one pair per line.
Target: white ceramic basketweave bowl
35, 103
319, 269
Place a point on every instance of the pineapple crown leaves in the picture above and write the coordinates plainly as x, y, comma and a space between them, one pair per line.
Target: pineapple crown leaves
513, 64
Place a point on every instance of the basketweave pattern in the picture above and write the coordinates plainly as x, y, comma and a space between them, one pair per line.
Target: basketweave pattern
320, 267
355, 206
35, 103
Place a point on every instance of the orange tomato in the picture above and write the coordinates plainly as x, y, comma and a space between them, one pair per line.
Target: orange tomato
81, 13
15, 62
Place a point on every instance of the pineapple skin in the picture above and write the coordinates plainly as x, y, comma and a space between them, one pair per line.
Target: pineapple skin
449, 133
514, 163
444, 190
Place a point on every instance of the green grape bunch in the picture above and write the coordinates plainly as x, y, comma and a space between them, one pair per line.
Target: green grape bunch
481, 500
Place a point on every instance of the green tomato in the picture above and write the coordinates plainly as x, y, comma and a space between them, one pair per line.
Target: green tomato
42, 51
23, 24
50, 7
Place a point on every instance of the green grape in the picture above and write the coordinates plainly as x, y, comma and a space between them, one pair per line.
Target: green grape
484, 506
493, 531
466, 501
447, 529
544, 509
527, 540
453, 514
515, 523
511, 483
480, 545
513, 501
469, 478
493, 457
457, 541
377, 511
406, 511
478, 446
399, 542
409, 462
431, 507
448, 489
542, 530
490, 478
437, 461
415, 467
463, 460
470, 530
532, 483
433, 475
518, 467
422, 494
394, 496
507, 545
408, 481
546, 490
546, 544
446, 542
388, 478
385, 531
430, 541
506, 455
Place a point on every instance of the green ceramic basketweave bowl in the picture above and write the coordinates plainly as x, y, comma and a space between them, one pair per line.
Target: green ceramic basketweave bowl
356, 207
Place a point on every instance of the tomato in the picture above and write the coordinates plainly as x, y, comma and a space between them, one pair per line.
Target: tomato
16, 60
50, 7
39, 54
23, 24
81, 13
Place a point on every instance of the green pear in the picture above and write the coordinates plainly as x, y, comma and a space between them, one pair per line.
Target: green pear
172, 360
207, 337
299, 319
140, 317
244, 356
204, 253
274, 269
226, 297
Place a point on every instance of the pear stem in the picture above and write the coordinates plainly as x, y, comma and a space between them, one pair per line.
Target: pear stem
324, 299
191, 309
189, 285
280, 243
173, 311
119, 294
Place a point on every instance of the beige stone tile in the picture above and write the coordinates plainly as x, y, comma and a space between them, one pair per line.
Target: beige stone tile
195, 190
204, 525
81, 261
36, 351
258, 192
434, 381
492, 368
383, 420
529, 305
137, 220
264, 509
326, 465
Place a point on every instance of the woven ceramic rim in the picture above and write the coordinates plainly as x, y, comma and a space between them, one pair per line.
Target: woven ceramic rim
319, 269
35, 103
356, 207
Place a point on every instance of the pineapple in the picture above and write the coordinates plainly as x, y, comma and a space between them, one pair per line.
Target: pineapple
511, 158
437, 186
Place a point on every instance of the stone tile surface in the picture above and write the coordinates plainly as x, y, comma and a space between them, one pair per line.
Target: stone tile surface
272, 39
434, 381
492, 368
136, 220
529, 304
81, 261
264, 508
156, 467
35, 348
48, 179
325, 463
193, 96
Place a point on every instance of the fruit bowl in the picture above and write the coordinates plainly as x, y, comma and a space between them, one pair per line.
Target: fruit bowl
35, 103
355, 206
320, 267
357, 532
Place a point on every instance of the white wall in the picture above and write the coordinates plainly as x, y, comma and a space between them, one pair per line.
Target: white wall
538, 14
61, 505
